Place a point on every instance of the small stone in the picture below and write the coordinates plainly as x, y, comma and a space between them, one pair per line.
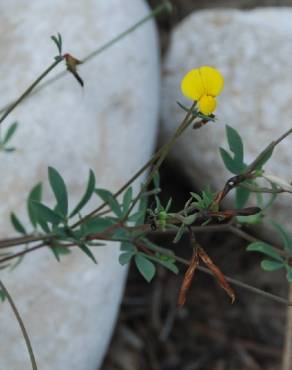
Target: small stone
252, 49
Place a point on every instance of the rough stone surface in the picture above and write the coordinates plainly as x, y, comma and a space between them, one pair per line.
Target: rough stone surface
252, 49
69, 308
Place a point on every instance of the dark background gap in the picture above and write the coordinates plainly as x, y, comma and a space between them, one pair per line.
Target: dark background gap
208, 333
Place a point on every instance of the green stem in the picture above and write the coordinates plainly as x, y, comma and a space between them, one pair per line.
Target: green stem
123, 188
6, 243
236, 282
214, 228
12, 106
255, 189
22, 253
22, 327
189, 118
162, 152
264, 152
164, 7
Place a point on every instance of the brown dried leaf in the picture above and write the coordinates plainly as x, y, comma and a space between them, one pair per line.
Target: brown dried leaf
217, 273
188, 279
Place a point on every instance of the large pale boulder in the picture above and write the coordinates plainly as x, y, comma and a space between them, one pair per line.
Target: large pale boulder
252, 49
69, 308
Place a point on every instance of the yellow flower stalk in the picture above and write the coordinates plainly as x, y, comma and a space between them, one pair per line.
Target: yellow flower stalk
203, 85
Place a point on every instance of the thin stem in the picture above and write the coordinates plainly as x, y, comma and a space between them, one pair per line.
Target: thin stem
255, 189
151, 161
264, 152
244, 235
29, 89
124, 187
225, 227
164, 151
22, 327
22, 253
6, 243
165, 6
240, 284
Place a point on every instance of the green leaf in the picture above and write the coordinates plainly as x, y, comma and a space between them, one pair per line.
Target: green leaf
2, 296
87, 195
142, 211
126, 257
17, 224
44, 225
235, 143
232, 165
268, 265
251, 220
264, 249
169, 203
108, 197
196, 196
44, 214
9, 150
87, 251
127, 200
127, 247
145, 267
60, 191
95, 244
34, 195
179, 234
58, 42
183, 107
190, 219
137, 217
168, 263
96, 225
59, 250
158, 203
263, 158
241, 197
272, 197
207, 196
156, 180
285, 237
289, 274
121, 234
10, 132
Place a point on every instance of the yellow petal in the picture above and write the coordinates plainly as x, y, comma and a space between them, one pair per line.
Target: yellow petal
192, 85
212, 80
207, 104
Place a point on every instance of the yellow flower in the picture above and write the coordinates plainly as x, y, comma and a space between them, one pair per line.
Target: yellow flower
203, 85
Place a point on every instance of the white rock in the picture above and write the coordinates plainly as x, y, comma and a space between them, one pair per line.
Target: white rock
252, 49
69, 308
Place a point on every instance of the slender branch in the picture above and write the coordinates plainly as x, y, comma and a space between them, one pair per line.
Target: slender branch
29, 89
240, 284
189, 118
264, 152
22, 253
152, 160
255, 189
22, 327
6, 243
225, 227
164, 7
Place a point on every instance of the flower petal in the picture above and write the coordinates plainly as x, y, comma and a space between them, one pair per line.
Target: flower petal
192, 85
207, 104
212, 80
